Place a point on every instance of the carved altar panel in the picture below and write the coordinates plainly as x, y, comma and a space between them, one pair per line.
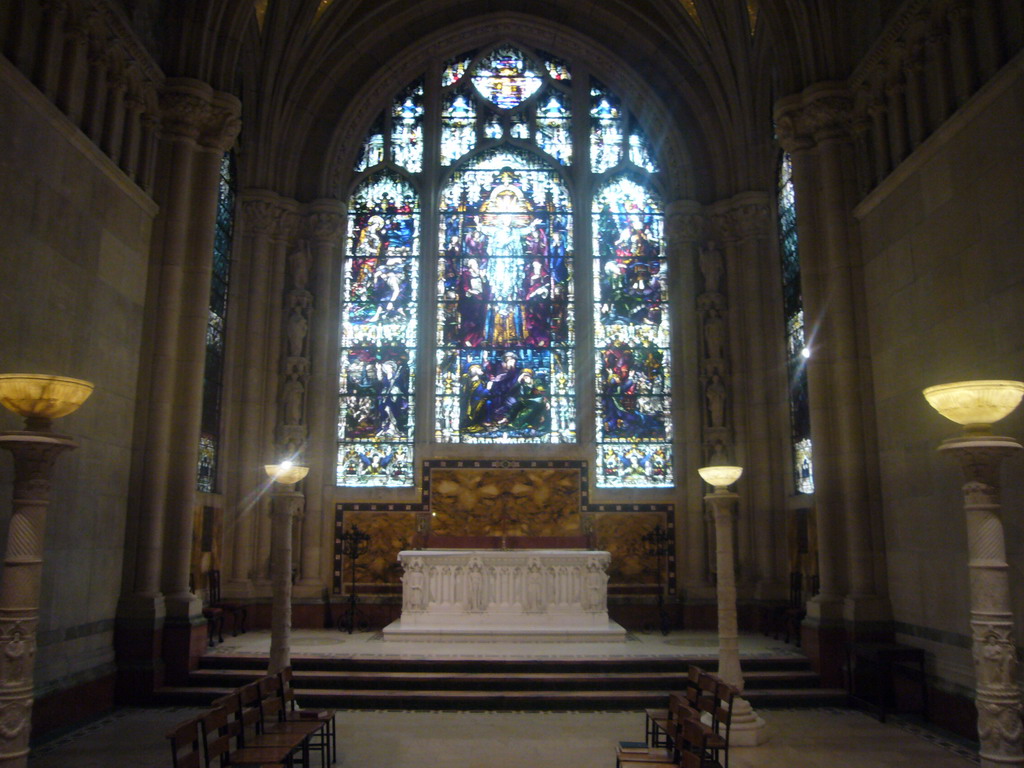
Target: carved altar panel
546, 591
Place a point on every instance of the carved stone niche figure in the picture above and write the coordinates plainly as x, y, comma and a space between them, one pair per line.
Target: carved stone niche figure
996, 660
298, 327
714, 336
596, 586
475, 598
711, 266
534, 587
299, 260
414, 581
291, 398
716, 401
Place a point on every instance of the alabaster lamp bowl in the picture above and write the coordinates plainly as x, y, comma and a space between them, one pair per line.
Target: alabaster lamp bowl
720, 476
286, 473
976, 405
40, 398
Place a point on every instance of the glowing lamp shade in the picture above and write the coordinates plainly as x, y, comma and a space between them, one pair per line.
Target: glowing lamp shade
39, 398
286, 473
975, 404
720, 477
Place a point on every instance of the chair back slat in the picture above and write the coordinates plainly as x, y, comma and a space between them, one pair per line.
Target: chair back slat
218, 729
186, 749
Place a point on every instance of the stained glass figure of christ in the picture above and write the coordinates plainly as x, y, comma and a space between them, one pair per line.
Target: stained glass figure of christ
505, 333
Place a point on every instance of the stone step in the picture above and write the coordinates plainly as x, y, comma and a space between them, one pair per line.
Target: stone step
444, 699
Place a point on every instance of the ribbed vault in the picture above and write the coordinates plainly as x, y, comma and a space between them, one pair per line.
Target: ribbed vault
701, 75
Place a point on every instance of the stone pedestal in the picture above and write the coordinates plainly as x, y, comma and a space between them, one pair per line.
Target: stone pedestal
34, 456
997, 693
747, 729
285, 504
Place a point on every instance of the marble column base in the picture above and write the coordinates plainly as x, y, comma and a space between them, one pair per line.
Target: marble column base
746, 729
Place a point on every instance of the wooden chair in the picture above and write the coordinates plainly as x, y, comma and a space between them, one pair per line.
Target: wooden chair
293, 712
311, 732
725, 694
186, 745
238, 611
220, 728
694, 744
214, 616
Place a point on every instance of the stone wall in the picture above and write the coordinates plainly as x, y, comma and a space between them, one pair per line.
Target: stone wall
944, 271
73, 264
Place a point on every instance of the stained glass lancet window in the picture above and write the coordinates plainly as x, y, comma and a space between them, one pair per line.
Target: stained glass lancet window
213, 372
505, 334
378, 334
631, 337
797, 347
505, 323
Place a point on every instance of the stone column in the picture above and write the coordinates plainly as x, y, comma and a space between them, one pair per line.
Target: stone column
684, 234
34, 457
180, 285
260, 217
217, 134
50, 46
96, 93
71, 90
746, 728
997, 693
745, 224
325, 223
113, 120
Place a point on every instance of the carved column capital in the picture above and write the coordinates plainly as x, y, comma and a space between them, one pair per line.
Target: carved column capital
684, 222
222, 123
261, 217
743, 217
184, 111
325, 220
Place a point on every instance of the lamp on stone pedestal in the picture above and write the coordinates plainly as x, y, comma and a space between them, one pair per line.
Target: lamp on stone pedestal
746, 728
285, 504
38, 399
977, 405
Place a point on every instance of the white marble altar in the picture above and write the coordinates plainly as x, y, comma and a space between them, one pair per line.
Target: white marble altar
540, 594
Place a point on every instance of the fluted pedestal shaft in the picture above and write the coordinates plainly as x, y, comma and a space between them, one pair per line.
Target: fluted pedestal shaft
285, 505
997, 693
34, 456
746, 728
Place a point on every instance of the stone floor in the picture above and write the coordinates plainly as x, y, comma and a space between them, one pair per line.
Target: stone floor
814, 738
810, 738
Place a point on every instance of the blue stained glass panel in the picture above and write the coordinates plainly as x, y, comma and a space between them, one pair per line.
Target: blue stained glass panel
506, 78
407, 129
796, 341
605, 130
554, 126
378, 334
458, 127
631, 335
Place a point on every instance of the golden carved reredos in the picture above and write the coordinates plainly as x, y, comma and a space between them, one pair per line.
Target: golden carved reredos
505, 502
484, 32
622, 535
390, 533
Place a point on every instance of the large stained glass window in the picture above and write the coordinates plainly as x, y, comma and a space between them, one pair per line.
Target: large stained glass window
213, 371
498, 127
505, 330
631, 336
378, 334
797, 347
